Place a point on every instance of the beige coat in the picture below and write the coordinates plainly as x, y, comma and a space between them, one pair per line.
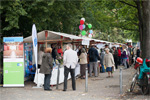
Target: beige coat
83, 58
108, 60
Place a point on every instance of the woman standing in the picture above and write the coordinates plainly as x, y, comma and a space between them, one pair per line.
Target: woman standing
124, 57
109, 62
83, 63
46, 68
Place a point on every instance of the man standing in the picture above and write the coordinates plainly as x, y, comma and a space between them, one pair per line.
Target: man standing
55, 54
93, 57
119, 56
115, 55
138, 52
70, 60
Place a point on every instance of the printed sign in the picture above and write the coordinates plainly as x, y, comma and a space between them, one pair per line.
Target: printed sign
13, 61
85, 42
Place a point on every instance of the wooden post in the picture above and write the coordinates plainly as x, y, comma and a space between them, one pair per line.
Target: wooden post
61, 43
73, 44
46, 35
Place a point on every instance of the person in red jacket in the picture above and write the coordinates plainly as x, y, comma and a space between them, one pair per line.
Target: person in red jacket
59, 50
119, 55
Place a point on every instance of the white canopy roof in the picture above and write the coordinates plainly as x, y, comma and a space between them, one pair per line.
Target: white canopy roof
57, 35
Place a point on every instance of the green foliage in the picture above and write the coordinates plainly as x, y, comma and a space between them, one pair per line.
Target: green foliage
18, 16
12, 11
110, 17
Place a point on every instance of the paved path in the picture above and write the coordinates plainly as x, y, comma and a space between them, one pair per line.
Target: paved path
136, 94
99, 88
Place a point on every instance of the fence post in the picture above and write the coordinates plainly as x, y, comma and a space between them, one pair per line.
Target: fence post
86, 80
120, 80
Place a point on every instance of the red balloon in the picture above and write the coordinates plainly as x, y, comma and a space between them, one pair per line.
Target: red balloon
81, 22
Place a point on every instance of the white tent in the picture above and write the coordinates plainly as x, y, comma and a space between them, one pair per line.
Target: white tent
55, 36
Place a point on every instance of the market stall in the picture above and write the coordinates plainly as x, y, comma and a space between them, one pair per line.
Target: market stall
47, 38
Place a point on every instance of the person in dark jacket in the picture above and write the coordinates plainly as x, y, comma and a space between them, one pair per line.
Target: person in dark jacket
55, 54
102, 60
93, 58
115, 55
46, 68
138, 52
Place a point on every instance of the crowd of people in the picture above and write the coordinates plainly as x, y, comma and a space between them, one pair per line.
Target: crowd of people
107, 59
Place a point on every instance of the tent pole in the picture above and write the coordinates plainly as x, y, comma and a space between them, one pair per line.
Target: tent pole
62, 43
46, 35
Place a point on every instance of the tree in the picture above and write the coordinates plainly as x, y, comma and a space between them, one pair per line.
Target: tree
19, 15
112, 18
130, 17
121, 19
146, 29
143, 12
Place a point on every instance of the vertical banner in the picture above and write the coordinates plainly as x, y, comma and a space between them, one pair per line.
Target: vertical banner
34, 39
35, 47
13, 62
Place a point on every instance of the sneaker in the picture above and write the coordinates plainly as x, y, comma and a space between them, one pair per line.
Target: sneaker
64, 90
48, 89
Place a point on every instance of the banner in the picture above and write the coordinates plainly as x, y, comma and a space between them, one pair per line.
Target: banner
13, 61
34, 39
35, 47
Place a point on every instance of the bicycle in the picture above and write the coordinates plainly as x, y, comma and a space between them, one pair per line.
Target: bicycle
135, 76
142, 76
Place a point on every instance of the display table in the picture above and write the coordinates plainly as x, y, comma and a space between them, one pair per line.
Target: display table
53, 81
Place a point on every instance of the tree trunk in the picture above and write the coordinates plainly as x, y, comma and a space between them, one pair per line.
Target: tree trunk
140, 17
146, 29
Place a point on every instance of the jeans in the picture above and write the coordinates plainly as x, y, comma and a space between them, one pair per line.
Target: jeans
66, 72
125, 63
116, 62
119, 60
93, 65
47, 81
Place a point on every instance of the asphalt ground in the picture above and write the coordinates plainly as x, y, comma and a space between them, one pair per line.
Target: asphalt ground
99, 88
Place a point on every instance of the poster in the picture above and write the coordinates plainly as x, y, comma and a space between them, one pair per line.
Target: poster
28, 47
85, 42
13, 62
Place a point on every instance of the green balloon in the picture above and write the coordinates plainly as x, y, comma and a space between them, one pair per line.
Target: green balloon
89, 26
83, 33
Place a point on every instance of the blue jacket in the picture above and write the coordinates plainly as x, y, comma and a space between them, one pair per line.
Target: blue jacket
93, 54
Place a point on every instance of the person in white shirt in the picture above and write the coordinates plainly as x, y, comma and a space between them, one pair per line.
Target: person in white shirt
40, 55
70, 60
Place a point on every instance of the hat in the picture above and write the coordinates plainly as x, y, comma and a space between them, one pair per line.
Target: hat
106, 45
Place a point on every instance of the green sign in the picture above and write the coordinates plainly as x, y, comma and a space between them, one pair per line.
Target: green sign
13, 61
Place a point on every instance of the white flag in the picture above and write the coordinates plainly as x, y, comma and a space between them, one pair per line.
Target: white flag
35, 44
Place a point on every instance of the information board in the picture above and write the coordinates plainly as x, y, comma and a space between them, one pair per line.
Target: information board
13, 62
